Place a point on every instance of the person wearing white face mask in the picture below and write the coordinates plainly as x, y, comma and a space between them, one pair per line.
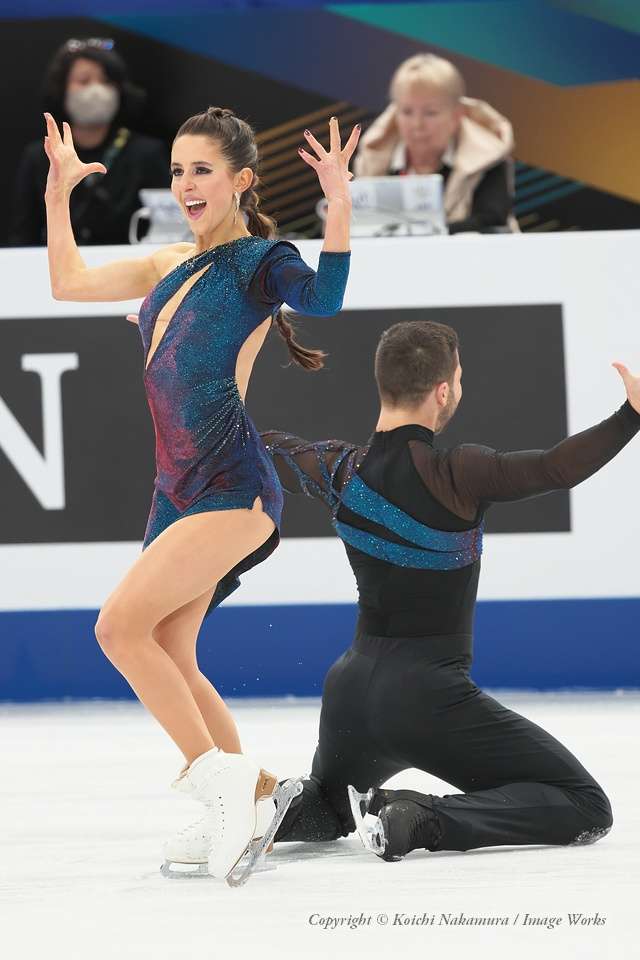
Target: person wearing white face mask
87, 84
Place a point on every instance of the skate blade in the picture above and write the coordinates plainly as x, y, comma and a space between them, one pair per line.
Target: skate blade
183, 871
255, 853
200, 871
376, 840
360, 803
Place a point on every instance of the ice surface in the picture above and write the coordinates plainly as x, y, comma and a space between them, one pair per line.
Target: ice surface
85, 807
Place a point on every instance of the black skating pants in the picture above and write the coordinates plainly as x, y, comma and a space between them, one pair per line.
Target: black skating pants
391, 704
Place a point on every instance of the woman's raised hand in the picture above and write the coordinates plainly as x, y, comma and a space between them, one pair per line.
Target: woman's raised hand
332, 166
66, 170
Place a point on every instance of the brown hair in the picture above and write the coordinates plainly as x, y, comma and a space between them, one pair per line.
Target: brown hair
237, 142
412, 358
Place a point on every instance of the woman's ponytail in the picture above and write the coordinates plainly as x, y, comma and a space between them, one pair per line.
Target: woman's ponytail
257, 223
305, 358
262, 226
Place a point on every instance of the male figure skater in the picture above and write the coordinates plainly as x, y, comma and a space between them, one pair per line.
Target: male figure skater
411, 519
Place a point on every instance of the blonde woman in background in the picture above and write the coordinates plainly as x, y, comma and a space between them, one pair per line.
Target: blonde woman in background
430, 126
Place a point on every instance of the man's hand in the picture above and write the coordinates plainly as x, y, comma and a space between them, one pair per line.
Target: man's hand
631, 385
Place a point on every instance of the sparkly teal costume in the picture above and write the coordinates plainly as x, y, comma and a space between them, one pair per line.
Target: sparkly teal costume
209, 455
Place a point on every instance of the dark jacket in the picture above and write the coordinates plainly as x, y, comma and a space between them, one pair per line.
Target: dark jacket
101, 206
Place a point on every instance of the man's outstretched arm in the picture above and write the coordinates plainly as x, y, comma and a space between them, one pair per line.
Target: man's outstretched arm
486, 476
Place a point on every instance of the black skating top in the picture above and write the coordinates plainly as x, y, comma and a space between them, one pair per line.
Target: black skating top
412, 493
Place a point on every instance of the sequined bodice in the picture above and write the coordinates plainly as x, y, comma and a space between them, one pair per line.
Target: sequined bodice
202, 430
209, 454
206, 445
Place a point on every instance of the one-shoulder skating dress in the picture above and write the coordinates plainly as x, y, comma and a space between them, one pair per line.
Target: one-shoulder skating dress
209, 455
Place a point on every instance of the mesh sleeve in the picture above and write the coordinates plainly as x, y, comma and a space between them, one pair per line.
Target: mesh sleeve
482, 475
318, 469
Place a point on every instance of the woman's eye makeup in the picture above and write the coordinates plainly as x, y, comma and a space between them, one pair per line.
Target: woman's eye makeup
177, 171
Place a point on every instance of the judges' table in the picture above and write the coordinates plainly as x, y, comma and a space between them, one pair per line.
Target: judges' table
540, 317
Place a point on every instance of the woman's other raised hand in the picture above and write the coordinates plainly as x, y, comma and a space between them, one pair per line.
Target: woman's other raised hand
66, 170
332, 166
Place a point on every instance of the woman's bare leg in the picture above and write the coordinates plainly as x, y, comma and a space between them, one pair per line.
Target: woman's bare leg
177, 634
185, 562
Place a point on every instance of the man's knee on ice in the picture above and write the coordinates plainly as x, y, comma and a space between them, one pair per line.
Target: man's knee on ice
599, 817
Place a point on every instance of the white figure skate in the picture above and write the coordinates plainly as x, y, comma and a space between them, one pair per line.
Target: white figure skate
231, 786
283, 794
186, 853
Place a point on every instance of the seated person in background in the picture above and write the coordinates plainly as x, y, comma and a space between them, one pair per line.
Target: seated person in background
431, 127
87, 85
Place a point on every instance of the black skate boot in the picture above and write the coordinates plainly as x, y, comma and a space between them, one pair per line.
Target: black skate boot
405, 821
406, 825
374, 800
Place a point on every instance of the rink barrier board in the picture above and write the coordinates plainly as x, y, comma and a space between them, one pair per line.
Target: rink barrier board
102, 489
578, 292
270, 651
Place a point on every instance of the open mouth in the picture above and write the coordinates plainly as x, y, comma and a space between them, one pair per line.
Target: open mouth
195, 208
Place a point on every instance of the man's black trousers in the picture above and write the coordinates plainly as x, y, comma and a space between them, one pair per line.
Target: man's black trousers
391, 704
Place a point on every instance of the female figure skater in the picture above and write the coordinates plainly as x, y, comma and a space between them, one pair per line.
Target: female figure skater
217, 500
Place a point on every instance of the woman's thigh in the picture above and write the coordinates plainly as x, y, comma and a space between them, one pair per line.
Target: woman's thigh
178, 633
183, 564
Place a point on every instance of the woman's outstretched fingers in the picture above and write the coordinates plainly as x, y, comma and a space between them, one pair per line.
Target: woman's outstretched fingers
317, 146
334, 135
352, 143
308, 158
52, 129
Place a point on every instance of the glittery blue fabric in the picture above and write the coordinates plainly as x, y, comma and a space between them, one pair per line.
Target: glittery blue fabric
404, 556
451, 549
315, 468
209, 455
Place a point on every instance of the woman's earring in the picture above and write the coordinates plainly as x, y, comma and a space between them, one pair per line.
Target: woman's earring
237, 197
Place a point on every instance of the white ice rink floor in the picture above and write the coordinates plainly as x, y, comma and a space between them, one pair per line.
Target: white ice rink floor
85, 807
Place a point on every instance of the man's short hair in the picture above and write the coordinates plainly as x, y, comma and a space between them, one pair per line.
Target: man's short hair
412, 358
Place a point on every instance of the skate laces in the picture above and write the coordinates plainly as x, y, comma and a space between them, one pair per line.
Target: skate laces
191, 827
